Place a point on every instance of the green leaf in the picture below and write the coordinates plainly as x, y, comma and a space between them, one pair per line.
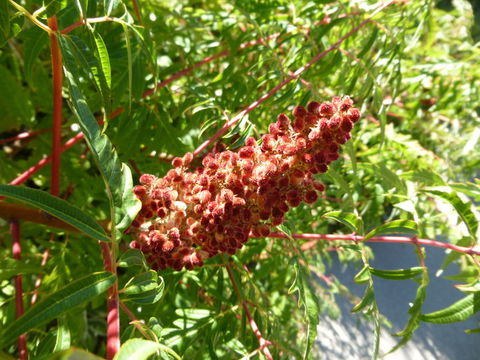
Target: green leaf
54, 6
367, 300
145, 288
4, 19
283, 228
400, 274
63, 335
141, 283
459, 311
117, 176
309, 300
35, 40
463, 209
351, 220
428, 177
394, 227
363, 275
130, 66
56, 207
470, 189
102, 72
14, 101
61, 301
111, 5
73, 354
194, 314
132, 257
140, 349
469, 287
471, 331
126, 203
414, 312
11, 267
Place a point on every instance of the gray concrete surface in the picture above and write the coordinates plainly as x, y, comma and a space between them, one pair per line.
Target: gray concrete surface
351, 338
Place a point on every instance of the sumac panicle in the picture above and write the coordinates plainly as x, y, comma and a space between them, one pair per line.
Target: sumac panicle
187, 216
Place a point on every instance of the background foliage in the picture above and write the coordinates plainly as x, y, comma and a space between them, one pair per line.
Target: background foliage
412, 162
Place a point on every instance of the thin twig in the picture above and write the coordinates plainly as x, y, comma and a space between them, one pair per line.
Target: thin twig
135, 322
23, 136
386, 239
89, 21
17, 254
57, 74
138, 14
31, 17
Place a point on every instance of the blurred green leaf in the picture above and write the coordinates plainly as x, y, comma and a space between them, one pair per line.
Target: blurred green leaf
15, 102
140, 349
11, 267
351, 220
399, 274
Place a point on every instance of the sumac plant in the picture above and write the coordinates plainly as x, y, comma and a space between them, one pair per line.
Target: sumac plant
179, 176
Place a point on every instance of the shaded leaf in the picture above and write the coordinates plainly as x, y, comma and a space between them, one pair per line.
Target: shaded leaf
14, 101
57, 303
56, 207
132, 257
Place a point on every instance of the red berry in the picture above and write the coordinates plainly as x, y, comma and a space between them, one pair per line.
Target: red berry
299, 111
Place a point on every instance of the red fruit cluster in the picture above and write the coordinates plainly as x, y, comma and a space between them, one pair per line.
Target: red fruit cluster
187, 217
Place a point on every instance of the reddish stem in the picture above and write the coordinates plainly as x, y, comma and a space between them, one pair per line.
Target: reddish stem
295, 75
17, 254
206, 61
137, 11
57, 106
24, 176
22, 136
386, 239
113, 316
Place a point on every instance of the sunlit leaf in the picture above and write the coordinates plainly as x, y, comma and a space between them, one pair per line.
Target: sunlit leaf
458, 311
394, 227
